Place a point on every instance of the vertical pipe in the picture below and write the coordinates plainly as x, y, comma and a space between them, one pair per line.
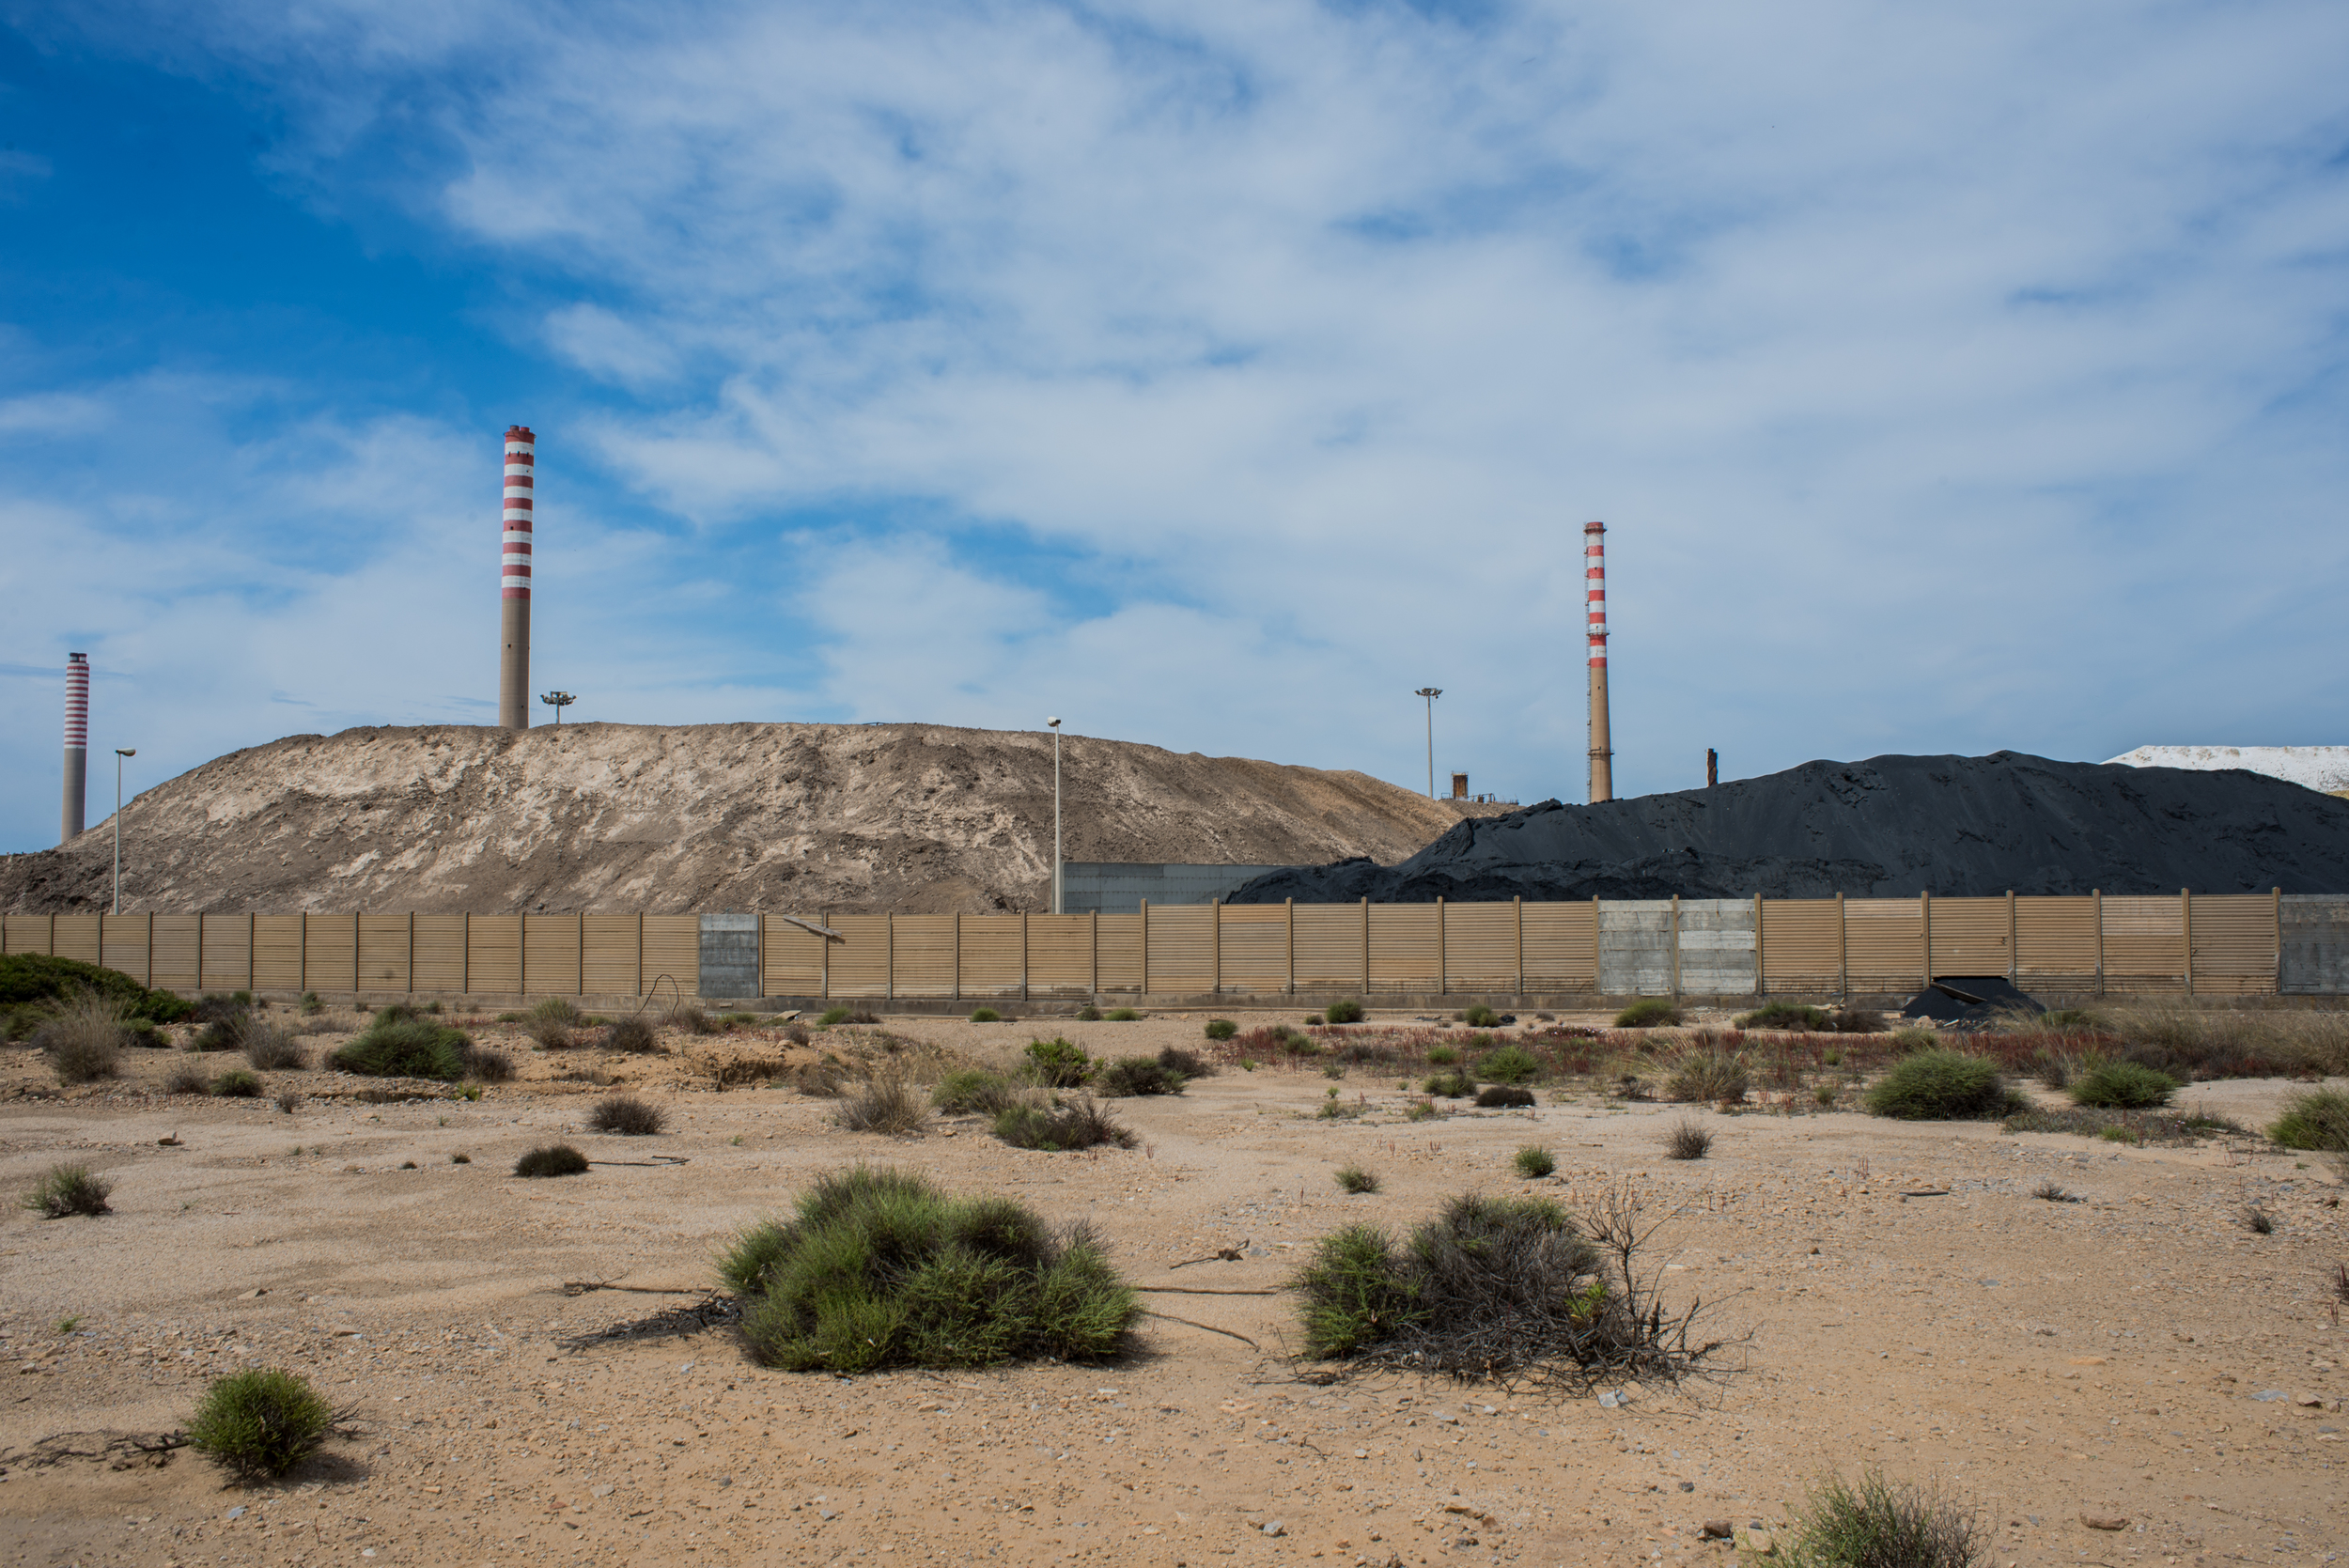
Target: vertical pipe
1215, 945
1444, 978
2014, 947
1290, 922
1365, 952
1760, 987
1095, 993
1673, 937
1146, 947
2185, 926
1595, 607
71, 819
1924, 921
1842, 951
957, 954
1518, 914
2098, 894
522, 449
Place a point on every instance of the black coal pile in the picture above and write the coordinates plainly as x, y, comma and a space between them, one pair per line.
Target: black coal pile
1964, 999
1889, 827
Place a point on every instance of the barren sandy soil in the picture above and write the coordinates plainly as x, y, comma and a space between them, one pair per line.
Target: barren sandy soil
2137, 1355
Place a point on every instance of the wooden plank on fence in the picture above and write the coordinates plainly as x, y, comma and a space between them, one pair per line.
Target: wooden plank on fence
792, 959
2235, 944
1561, 947
1060, 955
607, 955
1480, 947
277, 953
174, 946
437, 961
1403, 939
2144, 945
672, 955
384, 956
1254, 940
922, 956
1182, 953
2055, 943
227, 952
493, 953
1884, 943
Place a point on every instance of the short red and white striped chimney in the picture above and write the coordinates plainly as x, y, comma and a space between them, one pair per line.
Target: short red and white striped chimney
1595, 593
522, 450
76, 745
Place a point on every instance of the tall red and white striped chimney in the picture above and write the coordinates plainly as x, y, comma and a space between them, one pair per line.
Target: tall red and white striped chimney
76, 745
522, 451
1595, 593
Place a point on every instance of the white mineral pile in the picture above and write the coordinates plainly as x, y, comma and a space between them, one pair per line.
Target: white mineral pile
620, 818
2324, 768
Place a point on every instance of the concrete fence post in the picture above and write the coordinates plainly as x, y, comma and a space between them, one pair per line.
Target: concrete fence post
1146, 947
1760, 987
2186, 934
2014, 951
1842, 951
1924, 922
1215, 946
1444, 967
1292, 945
1519, 904
1365, 952
1672, 939
2098, 894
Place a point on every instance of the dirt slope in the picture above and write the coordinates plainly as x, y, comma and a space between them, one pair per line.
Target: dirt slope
849, 817
1888, 827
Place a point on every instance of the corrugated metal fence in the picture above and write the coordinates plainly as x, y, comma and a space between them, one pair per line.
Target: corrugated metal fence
2186, 945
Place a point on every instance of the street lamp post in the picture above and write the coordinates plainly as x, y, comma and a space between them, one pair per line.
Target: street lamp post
557, 701
1055, 725
1431, 693
120, 752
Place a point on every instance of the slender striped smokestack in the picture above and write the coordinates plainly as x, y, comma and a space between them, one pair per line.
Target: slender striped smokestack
1594, 576
522, 449
76, 744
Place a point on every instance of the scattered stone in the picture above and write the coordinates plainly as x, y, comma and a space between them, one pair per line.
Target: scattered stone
1718, 1529
1274, 1527
2104, 1521
1687, 1486
1759, 1542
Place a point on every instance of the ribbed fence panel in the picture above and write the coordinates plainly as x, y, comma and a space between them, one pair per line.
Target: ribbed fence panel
1403, 947
122, 944
384, 956
791, 960
24, 934
992, 955
1802, 946
2145, 944
2055, 943
607, 953
550, 954
673, 956
1884, 943
922, 956
175, 945
1330, 955
330, 953
1121, 942
227, 952
1480, 947
1253, 944
493, 953
277, 953
859, 963
1562, 947
2235, 944
1969, 937
1182, 947
1060, 955
437, 963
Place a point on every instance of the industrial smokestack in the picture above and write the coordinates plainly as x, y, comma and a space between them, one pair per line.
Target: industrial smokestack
76, 744
522, 450
1594, 575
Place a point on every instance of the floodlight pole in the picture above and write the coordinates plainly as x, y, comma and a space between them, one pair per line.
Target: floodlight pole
1055, 725
558, 701
1431, 693
120, 752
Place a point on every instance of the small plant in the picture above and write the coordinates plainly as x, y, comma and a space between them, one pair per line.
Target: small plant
2052, 1191
633, 1034
1503, 1096
1083, 1122
2123, 1086
1825, 1096
1221, 1028
1942, 1085
986, 1014
1247, 1064
64, 1190
554, 1159
411, 1048
1443, 1056
237, 1084
1333, 1069
1314, 1020
1856, 1021
1877, 1523
1451, 1086
879, 1268
560, 1010
82, 1038
1688, 1139
2258, 1221
1481, 1017
1789, 1015
888, 1103
461, 1157
1353, 1178
1421, 1111
1509, 1064
261, 1422
691, 1019
1533, 1162
2119, 1133
1348, 1011
2317, 1121
1088, 1014
627, 1115
973, 1089
1915, 1038
187, 1079
1187, 1063
1122, 1015
1059, 1063
1139, 1075
288, 1102
310, 1006
485, 1064
271, 1048
1708, 1077
1648, 1013
550, 1033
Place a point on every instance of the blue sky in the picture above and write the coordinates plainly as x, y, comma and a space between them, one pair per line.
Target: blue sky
1210, 375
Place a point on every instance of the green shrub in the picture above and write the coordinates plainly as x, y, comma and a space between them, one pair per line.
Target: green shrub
1451, 1086
145, 1036
1132, 1076
1221, 1028
1881, 1525
2317, 1121
1503, 1096
64, 1190
986, 1014
1707, 1077
36, 977
1443, 1056
1533, 1162
82, 1038
1353, 1178
2121, 1086
973, 1089
309, 1005
1122, 1015
1688, 1139
1083, 1122
1059, 1063
833, 1016
889, 1103
1912, 1037
1856, 1021
271, 1048
1480, 1016
633, 1034
553, 1159
1421, 1111
1479, 1258
1348, 1011
1088, 1014
187, 1079
1791, 1016
411, 1048
487, 1066
626, 1115
1510, 1065
1648, 1013
261, 1422
1187, 1063
1942, 1085
237, 1084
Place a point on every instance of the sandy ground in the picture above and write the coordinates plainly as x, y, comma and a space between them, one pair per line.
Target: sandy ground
2138, 1355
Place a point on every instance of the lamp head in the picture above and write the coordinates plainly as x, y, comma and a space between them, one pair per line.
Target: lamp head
126, 751
1052, 723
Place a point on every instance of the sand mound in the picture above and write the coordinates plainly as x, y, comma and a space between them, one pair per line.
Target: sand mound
1888, 827
915, 817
